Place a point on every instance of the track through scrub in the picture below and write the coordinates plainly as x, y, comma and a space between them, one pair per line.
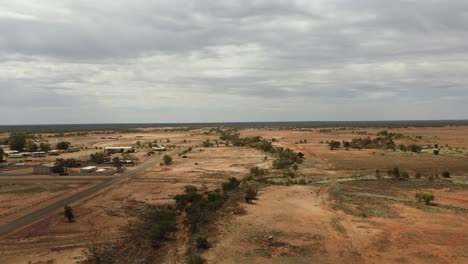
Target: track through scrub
34, 216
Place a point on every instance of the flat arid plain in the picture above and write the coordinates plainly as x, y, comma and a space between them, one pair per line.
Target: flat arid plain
270, 194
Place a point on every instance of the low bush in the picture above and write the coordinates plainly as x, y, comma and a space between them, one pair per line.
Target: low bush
250, 195
446, 174
202, 243
426, 197
232, 184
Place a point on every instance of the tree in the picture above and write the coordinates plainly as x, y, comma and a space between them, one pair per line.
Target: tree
167, 160
1, 154
98, 158
17, 141
402, 148
334, 144
414, 148
31, 146
68, 213
44, 147
446, 174
250, 195
435, 151
117, 163
63, 145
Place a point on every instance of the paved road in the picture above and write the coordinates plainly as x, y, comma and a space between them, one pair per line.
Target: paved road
34, 216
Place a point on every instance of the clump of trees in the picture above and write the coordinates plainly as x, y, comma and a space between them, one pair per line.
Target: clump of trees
284, 157
208, 144
335, 144
17, 141
426, 197
257, 172
232, 184
63, 145
45, 147
98, 158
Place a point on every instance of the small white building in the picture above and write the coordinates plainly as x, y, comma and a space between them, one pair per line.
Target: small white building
110, 150
159, 149
10, 152
88, 169
73, 149
15, 155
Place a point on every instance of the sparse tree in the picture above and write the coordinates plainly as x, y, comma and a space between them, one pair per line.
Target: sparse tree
68, 213
117, 163
44, 147
31, 146
435, 151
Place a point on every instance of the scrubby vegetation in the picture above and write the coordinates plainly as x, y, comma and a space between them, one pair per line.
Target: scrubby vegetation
426, 197
284, 157
154, 227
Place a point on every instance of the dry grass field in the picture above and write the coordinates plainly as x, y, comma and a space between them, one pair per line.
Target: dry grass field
331, 217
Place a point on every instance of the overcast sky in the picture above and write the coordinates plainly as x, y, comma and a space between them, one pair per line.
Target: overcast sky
70, 61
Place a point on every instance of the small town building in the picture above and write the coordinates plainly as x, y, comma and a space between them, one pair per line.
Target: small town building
159, 149
110, 150
44, 169
88, 169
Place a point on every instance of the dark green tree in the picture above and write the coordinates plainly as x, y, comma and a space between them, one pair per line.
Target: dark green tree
44, 147
63, 145
98, 158
17, 141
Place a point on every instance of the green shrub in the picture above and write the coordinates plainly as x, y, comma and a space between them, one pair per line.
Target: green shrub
435, 151
417, 175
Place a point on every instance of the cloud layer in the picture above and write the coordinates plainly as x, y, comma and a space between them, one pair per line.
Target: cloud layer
252, 60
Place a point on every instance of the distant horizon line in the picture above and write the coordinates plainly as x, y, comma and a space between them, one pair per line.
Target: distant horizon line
236, 122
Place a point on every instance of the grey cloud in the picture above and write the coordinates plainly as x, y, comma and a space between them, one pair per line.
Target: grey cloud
233, 60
